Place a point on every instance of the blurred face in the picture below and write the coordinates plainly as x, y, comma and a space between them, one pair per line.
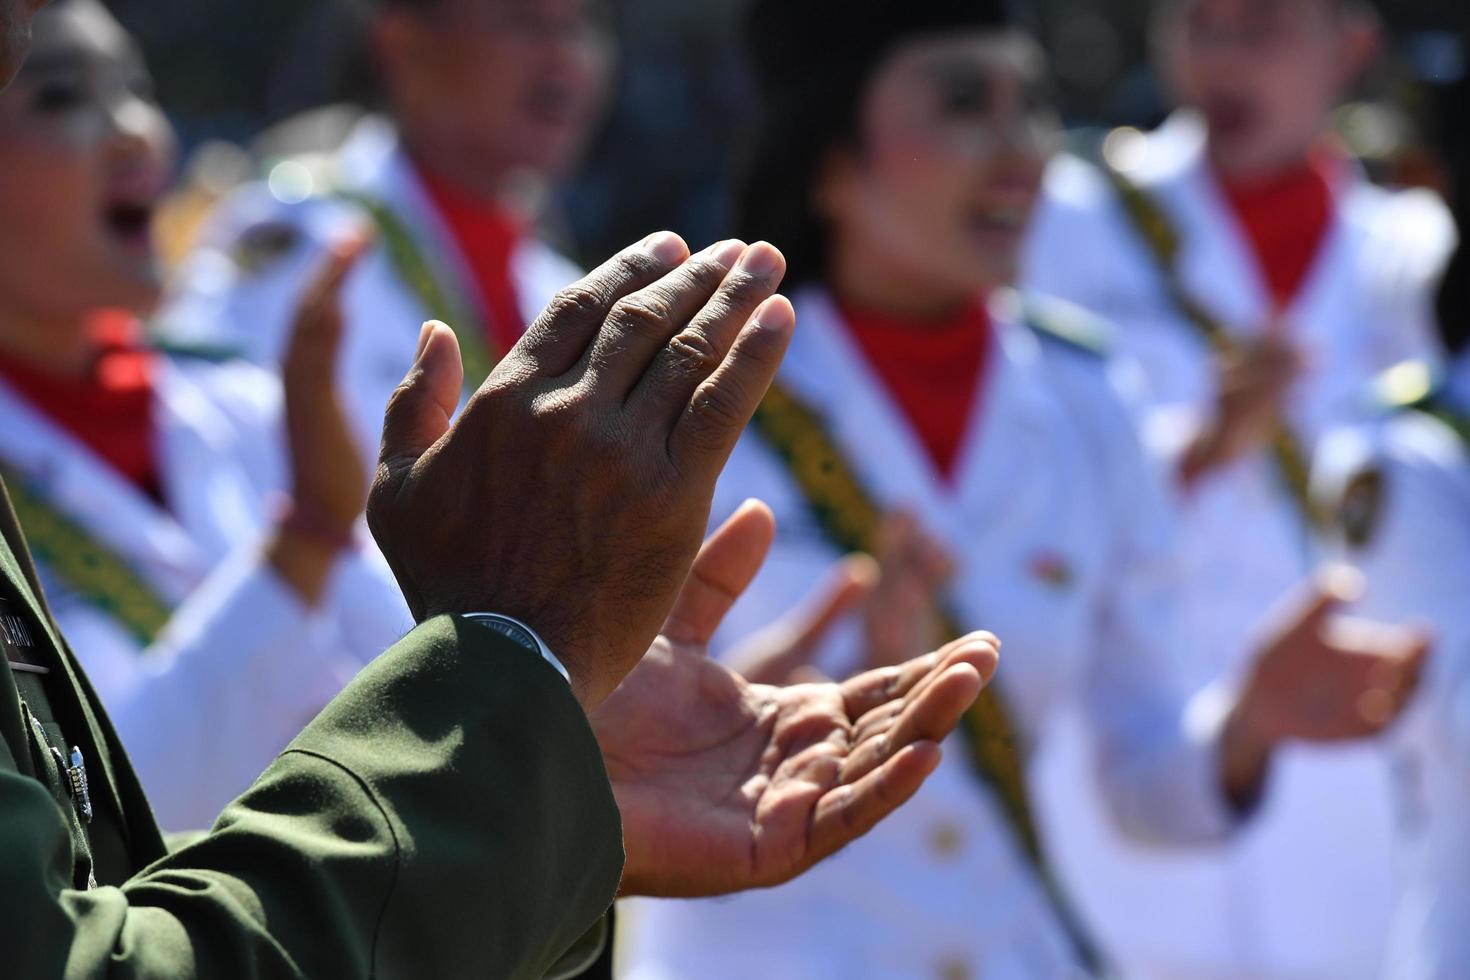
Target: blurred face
955, 133
85, 155
1265, 74
507, 85
15, 34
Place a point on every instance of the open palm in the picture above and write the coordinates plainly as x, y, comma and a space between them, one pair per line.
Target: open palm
726, 785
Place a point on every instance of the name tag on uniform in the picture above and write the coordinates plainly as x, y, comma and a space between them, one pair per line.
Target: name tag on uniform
18, 639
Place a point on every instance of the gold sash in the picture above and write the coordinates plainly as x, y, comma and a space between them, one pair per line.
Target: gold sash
417, 273
87, 566
1162, 240
847, 514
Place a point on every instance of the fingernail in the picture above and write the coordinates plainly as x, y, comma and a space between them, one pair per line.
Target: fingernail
726, 254
667, 247
776, 314
761, 261
425, 332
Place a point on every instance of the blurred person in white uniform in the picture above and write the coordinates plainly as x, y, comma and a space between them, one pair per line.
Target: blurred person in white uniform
973, 442
1399, 490
487, 104
214, 618
1259, 281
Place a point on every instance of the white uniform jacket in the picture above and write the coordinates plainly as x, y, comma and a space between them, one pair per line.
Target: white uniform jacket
1306, 891
1061, 539
1405, 483
240, 287
243, 663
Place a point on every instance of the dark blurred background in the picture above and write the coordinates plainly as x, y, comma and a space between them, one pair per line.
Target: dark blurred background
228, 68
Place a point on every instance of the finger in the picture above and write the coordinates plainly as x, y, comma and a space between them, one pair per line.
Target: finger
877, 721
852, 809
873, 690
847, 588
722, 571
895, 533
1391, 679
317, 328
560, 336
929, 716
421, 408
1416, 662
694, 352
937, 564
640, 324
1333, 587
723, 404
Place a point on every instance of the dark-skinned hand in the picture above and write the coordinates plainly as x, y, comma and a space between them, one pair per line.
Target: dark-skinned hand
573, 490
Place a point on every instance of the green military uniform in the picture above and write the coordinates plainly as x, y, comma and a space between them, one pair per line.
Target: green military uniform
448, 815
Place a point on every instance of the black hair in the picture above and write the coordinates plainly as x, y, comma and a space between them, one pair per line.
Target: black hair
777, 178
813, 62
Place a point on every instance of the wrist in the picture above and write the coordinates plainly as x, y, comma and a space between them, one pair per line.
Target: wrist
1202, 455
311, 526
301, 564
524, 636
1246, 750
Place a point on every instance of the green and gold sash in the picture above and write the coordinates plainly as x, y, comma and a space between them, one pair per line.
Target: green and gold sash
417, 273
1163, 242
87, 566
849, 518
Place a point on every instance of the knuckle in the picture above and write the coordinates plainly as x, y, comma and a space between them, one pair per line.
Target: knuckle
636, 263
645, 314
693, 350
715, 411
577, 301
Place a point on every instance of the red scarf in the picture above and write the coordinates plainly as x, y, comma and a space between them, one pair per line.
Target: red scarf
110, 408
487, 237
1286, 219
934, 369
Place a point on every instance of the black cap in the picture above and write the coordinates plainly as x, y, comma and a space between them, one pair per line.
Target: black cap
794, 42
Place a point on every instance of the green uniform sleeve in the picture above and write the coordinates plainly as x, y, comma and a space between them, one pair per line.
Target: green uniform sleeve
448, 815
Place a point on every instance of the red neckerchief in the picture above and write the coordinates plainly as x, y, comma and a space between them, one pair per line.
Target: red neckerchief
1286, 218
487, 236
110, 408
934, 369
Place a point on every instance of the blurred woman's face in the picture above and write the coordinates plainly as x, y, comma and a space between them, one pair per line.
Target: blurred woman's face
1263, 73
955, 134
85, 154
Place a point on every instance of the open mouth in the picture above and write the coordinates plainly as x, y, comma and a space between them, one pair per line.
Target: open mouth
999, 221
130, 222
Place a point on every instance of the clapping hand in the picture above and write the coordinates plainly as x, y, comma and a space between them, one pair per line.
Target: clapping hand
1320, 678
897, 591
572, 491
726, 785
328, 493
1253, 383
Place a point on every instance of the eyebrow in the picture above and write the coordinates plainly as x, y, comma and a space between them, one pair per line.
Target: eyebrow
955, 69
54, 61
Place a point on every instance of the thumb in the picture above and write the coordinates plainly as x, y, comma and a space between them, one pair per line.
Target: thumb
722, 572
1335, 587
421, 408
